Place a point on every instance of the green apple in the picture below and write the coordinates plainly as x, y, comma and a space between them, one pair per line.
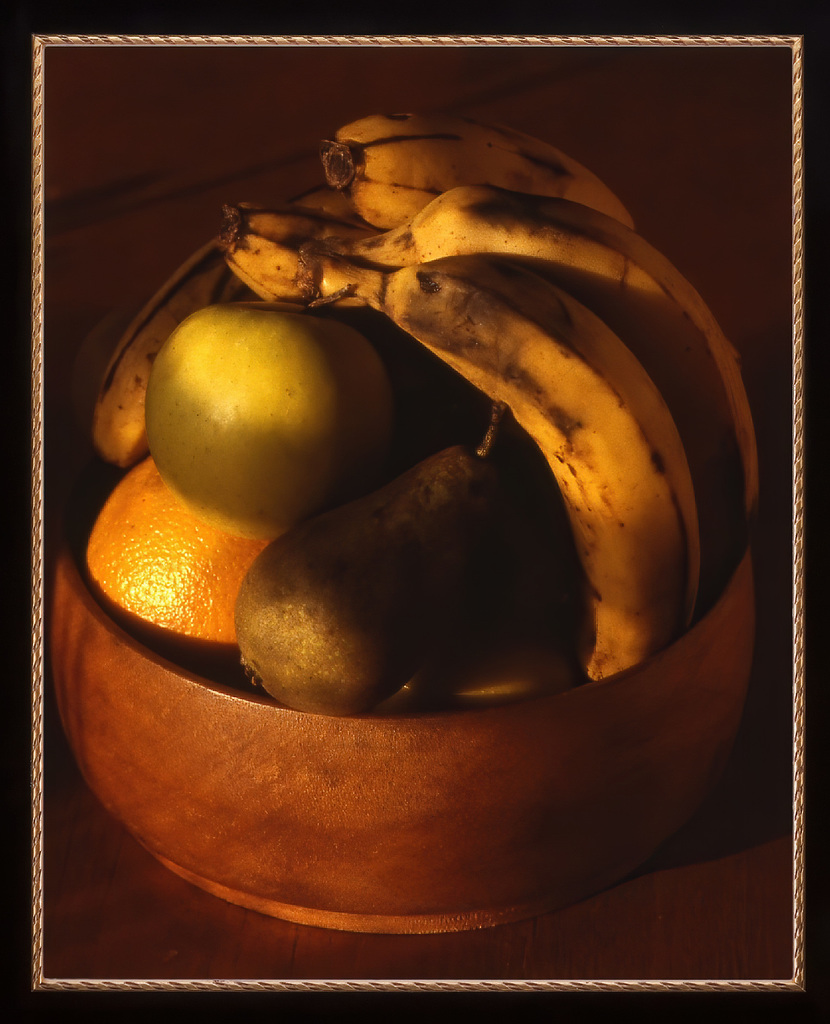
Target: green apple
259, 418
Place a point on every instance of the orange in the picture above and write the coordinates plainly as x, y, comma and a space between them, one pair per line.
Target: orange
153, 560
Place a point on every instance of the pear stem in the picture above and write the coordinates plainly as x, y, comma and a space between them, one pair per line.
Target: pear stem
496, 413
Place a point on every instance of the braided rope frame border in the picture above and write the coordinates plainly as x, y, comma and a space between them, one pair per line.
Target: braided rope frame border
38, 982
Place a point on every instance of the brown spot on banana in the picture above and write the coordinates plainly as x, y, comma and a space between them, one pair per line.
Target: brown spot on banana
404, 242
422, 189
548, 164
427, 283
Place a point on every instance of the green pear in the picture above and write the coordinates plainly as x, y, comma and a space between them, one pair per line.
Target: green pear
339, 612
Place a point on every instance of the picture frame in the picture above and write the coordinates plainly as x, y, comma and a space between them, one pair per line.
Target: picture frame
64, 206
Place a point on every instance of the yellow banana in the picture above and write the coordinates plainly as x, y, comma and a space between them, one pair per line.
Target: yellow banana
647, 302
118, 433
597, 417
330, 201
392, 165
261, 245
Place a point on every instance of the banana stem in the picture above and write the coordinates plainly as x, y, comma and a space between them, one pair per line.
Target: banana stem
231, 227
339, 165
497, 411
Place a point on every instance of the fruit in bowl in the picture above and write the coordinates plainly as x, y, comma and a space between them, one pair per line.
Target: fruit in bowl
311, 626
527, 652
258, 417
165, 573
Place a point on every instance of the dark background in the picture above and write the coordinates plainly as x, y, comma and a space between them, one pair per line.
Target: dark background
646, 121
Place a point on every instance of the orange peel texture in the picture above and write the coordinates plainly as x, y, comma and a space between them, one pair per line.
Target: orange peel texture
156, 564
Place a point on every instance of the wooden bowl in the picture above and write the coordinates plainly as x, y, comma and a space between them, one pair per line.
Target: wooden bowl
406, 823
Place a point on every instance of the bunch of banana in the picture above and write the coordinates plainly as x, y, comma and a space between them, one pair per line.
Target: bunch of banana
601, 423
253, 244
391, 165
644, 299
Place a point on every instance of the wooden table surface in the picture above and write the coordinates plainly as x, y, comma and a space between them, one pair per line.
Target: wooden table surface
142, 147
